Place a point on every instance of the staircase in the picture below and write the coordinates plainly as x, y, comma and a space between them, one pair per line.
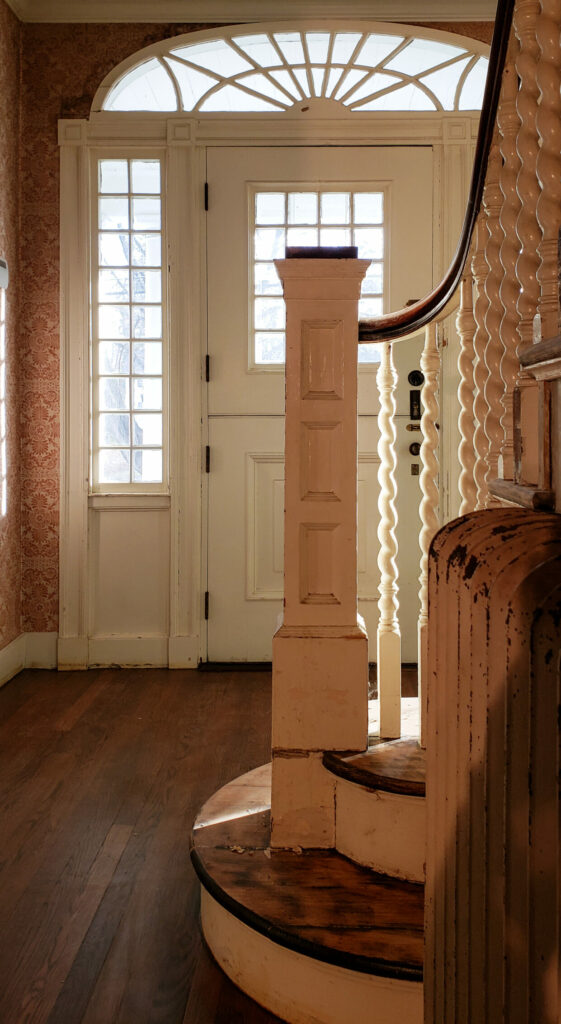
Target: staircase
327, 935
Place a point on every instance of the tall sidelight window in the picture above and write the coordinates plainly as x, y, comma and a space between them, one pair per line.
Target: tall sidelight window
306, 216
3, 426
128, 342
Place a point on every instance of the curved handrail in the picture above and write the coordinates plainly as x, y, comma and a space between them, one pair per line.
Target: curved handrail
393, 326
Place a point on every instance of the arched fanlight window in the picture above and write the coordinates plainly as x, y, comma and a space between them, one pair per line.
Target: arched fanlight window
276, 70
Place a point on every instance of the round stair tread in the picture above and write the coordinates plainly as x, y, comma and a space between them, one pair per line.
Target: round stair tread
396, 766
313, 901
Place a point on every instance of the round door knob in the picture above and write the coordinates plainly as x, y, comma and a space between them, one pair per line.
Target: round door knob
416, 378
415, 448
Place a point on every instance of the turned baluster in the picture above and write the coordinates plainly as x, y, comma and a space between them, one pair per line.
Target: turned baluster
509, 122
492, 202
429, 507
548, 121
527, 226
389, 637
465, 323
480, 440
528, 229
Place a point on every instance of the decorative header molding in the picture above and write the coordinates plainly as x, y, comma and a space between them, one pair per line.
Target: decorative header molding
239, 11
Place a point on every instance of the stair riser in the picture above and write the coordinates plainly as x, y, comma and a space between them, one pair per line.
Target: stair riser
299, 989
382, 831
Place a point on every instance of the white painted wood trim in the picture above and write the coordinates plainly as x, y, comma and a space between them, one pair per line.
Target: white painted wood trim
382, 831
177, 652
241, 10
72, 653
132, 502
12, 659
40, 650
106, 128
299, 989
186, 141
28, 650
185, 212
128, 651
163, 46
183, 651
74, 380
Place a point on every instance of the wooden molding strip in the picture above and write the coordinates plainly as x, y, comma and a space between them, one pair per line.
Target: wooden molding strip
234, 11
541, 352
523, 494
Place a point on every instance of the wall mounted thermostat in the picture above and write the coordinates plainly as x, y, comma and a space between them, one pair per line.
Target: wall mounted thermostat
4, 274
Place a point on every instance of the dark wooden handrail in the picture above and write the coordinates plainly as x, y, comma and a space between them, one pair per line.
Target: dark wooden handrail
393, 326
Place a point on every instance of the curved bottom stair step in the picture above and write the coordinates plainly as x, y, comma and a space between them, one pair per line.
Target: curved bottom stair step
308, 934
380, 819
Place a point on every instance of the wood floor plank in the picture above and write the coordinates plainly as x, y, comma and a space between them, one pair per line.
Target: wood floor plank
101, 776
50, 976
68, 804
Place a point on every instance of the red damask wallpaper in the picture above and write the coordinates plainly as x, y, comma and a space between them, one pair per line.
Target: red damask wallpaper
10, 523
62, 66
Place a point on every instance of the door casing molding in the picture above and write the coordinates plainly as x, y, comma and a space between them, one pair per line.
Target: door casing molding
185, 141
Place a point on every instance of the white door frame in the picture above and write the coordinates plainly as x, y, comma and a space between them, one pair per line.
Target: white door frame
185, 141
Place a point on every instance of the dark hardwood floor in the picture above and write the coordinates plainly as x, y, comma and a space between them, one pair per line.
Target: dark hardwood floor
101, 776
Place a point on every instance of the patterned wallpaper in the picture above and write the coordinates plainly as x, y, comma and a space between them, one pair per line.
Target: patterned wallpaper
10, 524
62, 66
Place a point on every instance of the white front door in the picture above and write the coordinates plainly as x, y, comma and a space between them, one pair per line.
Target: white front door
341, 187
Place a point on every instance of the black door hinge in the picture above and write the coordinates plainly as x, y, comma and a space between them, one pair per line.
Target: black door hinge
207, 459
206, 604
206, 196
207, 368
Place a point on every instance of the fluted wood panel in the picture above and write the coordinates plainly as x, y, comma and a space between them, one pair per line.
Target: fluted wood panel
493, 868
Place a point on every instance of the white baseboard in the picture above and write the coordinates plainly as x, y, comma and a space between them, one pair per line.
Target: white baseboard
68, 653
183, 651
72, 652
128, 651
40, 650
12, 659
80, 652
28, 650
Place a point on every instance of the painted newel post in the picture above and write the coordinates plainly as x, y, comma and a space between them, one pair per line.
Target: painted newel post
320, 652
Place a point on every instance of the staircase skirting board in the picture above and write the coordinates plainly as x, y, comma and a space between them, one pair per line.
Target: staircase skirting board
380, 830
28, 650
298, 988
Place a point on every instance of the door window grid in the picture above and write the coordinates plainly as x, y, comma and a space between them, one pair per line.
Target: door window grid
276, 71
319, 217
128, 342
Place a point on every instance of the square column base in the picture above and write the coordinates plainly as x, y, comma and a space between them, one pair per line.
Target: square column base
320, 688
302, 802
